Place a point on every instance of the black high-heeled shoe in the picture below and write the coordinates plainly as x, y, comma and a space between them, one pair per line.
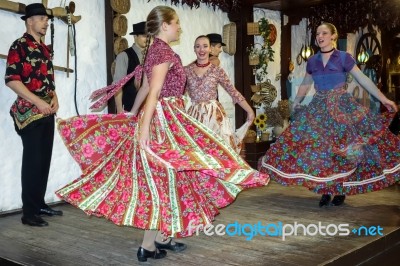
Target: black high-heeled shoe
338, 200
143, 254
325, 199
177, 247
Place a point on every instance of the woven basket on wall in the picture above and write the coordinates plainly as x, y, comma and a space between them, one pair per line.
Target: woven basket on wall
254, 60
253, 28
255, 88
120, 44
121, 6
257, 98
229, 38
120, 25
269, 91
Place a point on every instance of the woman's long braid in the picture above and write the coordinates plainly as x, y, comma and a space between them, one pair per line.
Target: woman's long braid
154, 20
146, 48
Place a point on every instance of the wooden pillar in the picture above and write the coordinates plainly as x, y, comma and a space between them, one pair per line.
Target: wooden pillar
243, 71
286, 47
109, 16
387, 53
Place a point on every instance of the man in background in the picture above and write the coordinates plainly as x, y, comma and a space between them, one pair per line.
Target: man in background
216, 47
126, 62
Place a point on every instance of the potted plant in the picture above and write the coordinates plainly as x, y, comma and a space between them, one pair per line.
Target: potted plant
261, 123
254, 53
260, 57
267, 31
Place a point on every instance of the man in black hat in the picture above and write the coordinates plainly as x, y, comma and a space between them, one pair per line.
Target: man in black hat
126, 62
216, 47
30, 74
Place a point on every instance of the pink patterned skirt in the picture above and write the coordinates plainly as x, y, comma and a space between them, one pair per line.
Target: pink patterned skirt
212, 114
185, 176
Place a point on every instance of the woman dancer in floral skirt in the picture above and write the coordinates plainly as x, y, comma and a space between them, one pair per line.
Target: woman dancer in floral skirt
160, 170
335, 146
202, 83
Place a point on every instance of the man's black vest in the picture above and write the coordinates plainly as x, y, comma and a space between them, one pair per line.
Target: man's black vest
129, 90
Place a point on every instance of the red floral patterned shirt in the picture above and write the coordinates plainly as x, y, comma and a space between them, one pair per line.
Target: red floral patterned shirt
160, 52
30, 62
205, 87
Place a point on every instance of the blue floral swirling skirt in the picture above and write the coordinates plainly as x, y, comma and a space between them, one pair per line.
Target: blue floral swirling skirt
335, 146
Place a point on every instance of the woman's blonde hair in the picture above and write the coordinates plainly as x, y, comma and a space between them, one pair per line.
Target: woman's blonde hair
333, 31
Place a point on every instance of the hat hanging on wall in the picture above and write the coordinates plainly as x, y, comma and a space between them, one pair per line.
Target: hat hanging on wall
229, 38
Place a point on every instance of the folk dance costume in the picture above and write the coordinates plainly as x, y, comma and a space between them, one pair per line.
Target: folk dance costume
203, 92
185, 176
334, 145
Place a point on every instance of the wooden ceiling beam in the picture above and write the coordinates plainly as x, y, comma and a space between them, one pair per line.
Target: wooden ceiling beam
287, 5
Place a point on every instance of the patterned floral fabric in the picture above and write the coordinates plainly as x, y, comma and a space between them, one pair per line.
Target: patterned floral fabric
30, 62
335, 146
186, 175
203, 91
205, 88
158, 53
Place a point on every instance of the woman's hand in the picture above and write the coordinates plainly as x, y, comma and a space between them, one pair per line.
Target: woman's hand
144, 138
250, 113
120, 110
390, 105
134, 113
250, 116
295, 107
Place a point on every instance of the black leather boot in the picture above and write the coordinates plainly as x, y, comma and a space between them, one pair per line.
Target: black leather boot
338, 200
325, 199
143, 254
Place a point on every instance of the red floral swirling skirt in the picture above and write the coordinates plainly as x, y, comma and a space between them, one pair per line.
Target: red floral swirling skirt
185, 176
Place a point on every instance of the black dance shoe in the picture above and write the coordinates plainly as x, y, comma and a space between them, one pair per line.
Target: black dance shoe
143, 254
35, 220
338, 200
176, 247
50, 212
325, 199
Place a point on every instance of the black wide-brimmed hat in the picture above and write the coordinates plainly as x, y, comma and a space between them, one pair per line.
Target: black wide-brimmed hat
215, 38
36, 9
139, 28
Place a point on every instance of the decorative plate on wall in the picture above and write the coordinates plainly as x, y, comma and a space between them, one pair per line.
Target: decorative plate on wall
299, 60
272, 34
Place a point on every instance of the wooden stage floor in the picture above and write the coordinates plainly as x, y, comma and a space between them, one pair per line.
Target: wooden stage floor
77, 239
